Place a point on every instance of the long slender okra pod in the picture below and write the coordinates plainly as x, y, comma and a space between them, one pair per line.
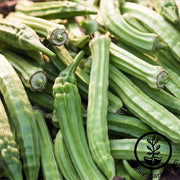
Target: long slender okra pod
149, 111
22, 116
63, 160
21, 36
151, 19
55, 33
32, 76
97, 129
54, 9
166, 99
68, 110
124, 149
9, 152
64, 58
117, 25
49, 165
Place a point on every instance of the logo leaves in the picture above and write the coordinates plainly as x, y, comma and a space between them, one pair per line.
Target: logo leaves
158, 146
149, 148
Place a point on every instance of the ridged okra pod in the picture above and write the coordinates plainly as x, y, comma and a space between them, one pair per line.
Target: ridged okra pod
109, 10
156, 23
154, 76
63, 160
97, 129
54, 9
143, 107
31, 75
67, 106
124, 149
23, 118
21, 36
64, 59
49, 165
9, 152
55, 33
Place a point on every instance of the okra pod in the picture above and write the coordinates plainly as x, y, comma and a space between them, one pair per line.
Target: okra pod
9, 152
68, 110
31, 75
49, 165
63, 160
97, 129
124, 149
149, 111
110, 12
55, 33
22, 116
21, 36
156, 23
54, 9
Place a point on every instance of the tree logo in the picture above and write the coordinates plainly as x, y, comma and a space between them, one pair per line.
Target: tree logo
152, 144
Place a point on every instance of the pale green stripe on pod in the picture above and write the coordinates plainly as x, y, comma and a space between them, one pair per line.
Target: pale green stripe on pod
97, 128
49, 165
9, 152
63, 160
22, 116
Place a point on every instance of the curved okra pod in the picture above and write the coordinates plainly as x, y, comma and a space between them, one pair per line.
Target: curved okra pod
49, 165
156, 23
149, 111
63, 160
55, 33
110, 12
22, 116
9, 152
32, 76
54, 9
21, 36
67, 106
97, 129
124, 149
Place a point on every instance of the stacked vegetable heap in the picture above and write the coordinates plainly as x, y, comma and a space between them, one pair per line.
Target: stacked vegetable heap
81, 81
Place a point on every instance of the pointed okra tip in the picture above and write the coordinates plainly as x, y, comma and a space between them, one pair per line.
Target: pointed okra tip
68, 75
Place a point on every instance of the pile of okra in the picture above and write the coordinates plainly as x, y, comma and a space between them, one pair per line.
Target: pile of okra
81, 82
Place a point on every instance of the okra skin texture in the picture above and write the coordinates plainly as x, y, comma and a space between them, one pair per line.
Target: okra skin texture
124, 149
55, 33
110, 12
67, 105
9, 152
155, 76
21, 36
49, 165
31, 75
149, 111
165, 31
97, 129
22, 116
54, 9
62, 157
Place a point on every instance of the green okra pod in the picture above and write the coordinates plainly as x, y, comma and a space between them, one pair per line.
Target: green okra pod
97, 129
67, 106
110, 12
157, 24
22, 116
54, 9
21, 36
63, 160
31, 75
143, 107
54, 32
48, 161
9, 153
